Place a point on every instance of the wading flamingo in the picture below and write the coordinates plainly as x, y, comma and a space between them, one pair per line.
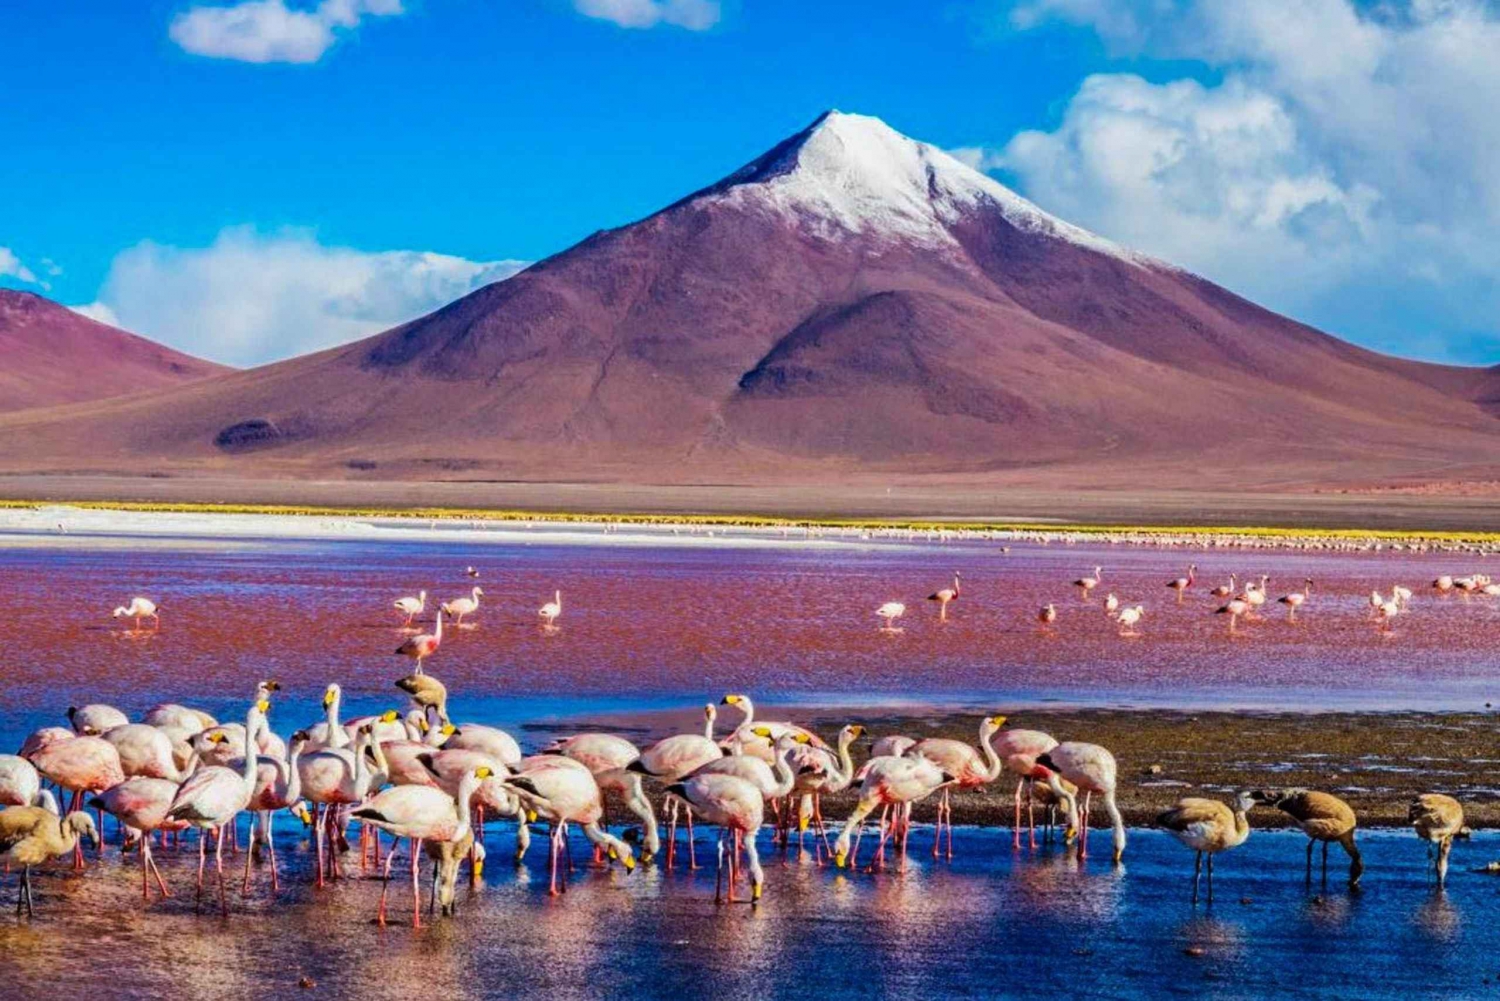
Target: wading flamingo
1181, 584
562, 792
1207, 826
738, 809
672, 759
1438, 819
420, 647
1129, 618
820, 771
19, 781
1296, 599
895, 783
1322, 817
946, 595
608, 758
30, 835
1234, 609
141, 804
426, 693
750, 741
1047, 615
1225, 590
1111, 604
1018, 751
457, 608
79, 765
1091, 769
889, 613
969, 768
411, 607
1088, 582
550, 612
138, 609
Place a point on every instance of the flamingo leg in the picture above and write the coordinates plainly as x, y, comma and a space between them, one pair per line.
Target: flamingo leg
203, 861
271, 851
219, 868
385, 885
416, 884
719, 873
1031, 812
245, 889
1016, 828
692, 854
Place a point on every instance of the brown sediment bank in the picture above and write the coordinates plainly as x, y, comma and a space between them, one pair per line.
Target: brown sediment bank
1376, 761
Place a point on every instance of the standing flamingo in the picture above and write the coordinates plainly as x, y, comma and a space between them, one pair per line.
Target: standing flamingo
19, 782
1129, 618
550, 612
1234, 609
1296, 599
1225, 590
1087, 583
138, 609
895, 783
30, 835
420, 647
946, 595
1181, 584
1208, 827
738, 809
672, 759
970, 769
1047, 615
564, 792
1438, 819
1091, 769
889, 613
459, 607
609, 758
1018, 750
411, 607
141, 804
94, 719
79, 765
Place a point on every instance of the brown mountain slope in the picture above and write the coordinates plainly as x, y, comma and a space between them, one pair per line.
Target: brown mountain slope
852, 306
53, 355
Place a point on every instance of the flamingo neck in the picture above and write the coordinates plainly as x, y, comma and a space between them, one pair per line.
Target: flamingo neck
336, 735
253, 722
294, 775
846, 763
993, 765
466, 789
782, 767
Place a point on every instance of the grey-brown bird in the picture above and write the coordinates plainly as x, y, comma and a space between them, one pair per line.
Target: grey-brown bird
1207, 826
30, 835
1322, 817
426, 691
1438, 819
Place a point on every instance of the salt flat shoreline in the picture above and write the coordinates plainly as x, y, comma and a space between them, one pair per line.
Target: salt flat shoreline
81, 525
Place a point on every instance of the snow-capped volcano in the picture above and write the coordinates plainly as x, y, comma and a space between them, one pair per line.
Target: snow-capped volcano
851, 304
855, 174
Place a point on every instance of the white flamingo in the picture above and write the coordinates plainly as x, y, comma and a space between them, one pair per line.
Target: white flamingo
459, 607
550, 612
1129, 618
411, 607
889, 613
1087, 583
138, 609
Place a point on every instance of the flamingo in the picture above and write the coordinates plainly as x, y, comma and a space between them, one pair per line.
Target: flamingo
138, 609
79, 765
95, 719
146, 751
549, 612
411, 607
1385, 612
946, 595
426, 693
1047, 615
1111, 604
1207, 826
1129, 618
1438, 819
1443, 584
20, 785
893, 745
889, 613
608, 758
820, 772
672, 759
334, 777
750, 741
1087, 583
1234, 609
215, 795
969, 768
1322, 817
895, 783
1255, 594
471, 571
330, 733
1296, 599
459, 607
1181, 584
738, 809
420, 647
141, 804
1091, 769
562, 795
1400, 594
278, 786
1225, 590
30, 835
1018, 751
774, 780
487, 739
420, 813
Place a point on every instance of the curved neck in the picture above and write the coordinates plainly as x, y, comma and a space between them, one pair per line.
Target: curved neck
782, 768
993, 765
294, 775
466, 789
382, 767
846, 763
748, 708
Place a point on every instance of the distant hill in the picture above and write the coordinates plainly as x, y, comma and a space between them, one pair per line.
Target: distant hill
51, 355
853, 305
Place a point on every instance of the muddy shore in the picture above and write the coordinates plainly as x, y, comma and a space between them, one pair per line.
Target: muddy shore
1376, 761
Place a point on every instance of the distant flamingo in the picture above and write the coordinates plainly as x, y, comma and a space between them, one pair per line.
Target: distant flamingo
1225, 590
1400, 594
889, 613
411, 607
1087, 583
549, 612
459, 607
1129, 618
1047, 615
1296, 599
1387, 611
1181, 584
419, 648
1443, 584
1111, 604
946, 595
1234, 609
138, 609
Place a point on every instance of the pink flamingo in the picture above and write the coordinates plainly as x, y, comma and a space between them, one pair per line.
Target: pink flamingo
141, 804
737, 807
79, 765
673, 759
1018, 750
1090, 768
1181, 584
895, 783
969, 768
420, 647
946, 595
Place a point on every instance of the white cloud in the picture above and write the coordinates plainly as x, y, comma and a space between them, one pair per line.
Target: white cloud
250, 297
268, 31
694, 15
98, 311
1344, 165
11, 266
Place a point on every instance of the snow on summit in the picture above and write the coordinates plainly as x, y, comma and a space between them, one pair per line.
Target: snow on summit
855, 174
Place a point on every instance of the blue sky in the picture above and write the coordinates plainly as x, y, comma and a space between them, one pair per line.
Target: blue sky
248, 180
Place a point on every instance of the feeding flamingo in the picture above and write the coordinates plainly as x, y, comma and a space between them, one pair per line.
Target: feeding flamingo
138, 609
411, 607
1090, 768
889, 613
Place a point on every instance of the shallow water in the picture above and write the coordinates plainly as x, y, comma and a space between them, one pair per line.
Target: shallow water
656, 624
993, 922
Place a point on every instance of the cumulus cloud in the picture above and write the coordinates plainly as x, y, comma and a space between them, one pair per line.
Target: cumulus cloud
694, 15
268, 31
11, 266
1344, 164
250, 297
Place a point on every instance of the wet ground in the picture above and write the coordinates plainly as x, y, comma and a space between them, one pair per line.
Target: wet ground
991, 923
652, 630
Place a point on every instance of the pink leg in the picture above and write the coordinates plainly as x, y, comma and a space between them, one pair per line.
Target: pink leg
1031, 812
249, 853
385, 886
692, 854
1016, 829
202, 862
416, 885
151, 861
219, 867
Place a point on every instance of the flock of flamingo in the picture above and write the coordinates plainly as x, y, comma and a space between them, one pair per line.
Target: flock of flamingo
418, 776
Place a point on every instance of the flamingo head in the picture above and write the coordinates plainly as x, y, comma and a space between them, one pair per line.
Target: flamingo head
448, 730
484, 772
330, 695
709, 712
731, 700
1244, 800
264, 705
993, 723
478, 591
301, 812
390, 716
119, 611
852, 732
82, 826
